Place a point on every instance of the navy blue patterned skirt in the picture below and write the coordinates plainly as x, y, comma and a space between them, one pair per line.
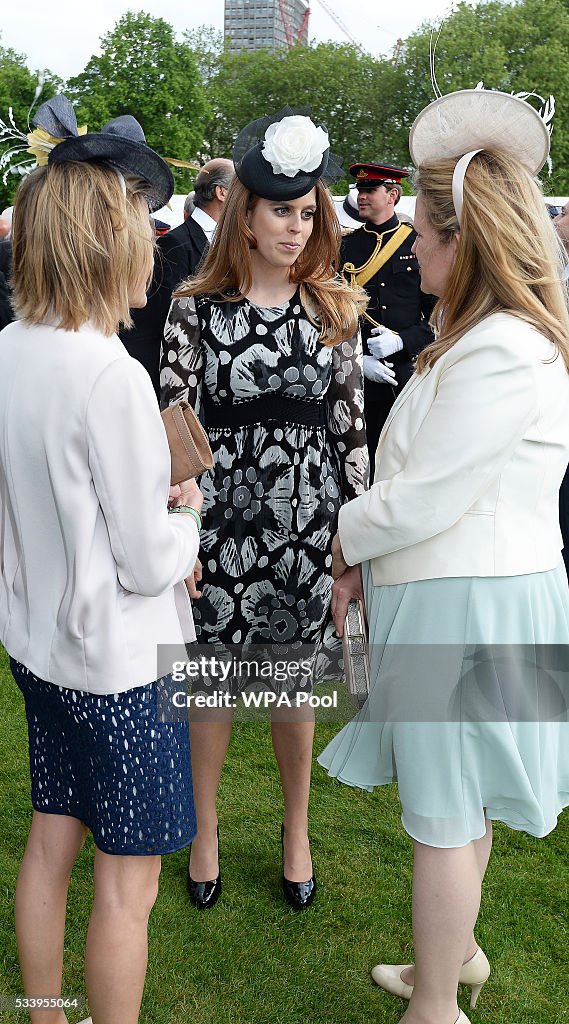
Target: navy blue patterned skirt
112, 763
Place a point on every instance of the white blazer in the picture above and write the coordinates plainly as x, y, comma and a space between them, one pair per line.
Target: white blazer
89, 556
469, 464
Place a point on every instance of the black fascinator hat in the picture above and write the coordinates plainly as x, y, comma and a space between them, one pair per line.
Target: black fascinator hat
283, 156
121, 144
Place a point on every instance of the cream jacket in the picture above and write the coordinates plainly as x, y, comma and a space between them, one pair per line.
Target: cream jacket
469, 464
90, 558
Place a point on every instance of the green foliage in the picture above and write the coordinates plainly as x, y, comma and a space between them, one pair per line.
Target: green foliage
336, 81
193, 96
520, 47
17, 88
144, 71
369, 104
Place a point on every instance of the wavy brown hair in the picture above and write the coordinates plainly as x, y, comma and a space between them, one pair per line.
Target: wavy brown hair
508, 258
79, 246
227, 271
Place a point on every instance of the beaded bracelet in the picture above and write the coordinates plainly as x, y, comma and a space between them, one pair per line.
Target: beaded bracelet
189, 510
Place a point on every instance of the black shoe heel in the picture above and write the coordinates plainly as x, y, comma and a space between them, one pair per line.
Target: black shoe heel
204, 895
299, 895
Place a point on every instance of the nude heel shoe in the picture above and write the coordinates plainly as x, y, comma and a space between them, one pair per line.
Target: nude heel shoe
388, 977
474, 973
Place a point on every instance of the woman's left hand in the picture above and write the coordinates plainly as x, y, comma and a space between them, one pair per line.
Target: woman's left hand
347, 586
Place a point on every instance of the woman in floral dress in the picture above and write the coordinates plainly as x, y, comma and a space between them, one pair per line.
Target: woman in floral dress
264, 343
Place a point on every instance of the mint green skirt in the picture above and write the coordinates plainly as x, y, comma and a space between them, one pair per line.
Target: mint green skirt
468, 704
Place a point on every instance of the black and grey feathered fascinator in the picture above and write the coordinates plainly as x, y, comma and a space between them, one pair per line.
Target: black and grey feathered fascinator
120, 144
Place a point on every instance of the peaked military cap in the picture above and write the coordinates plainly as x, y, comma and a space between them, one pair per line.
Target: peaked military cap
372, 175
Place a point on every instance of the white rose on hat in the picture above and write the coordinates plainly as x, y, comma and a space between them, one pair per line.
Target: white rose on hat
295, 144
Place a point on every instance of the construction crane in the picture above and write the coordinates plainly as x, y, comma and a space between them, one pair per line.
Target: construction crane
331, 12
303, 31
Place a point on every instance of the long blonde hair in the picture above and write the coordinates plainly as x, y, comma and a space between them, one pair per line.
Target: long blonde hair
508, 257
227, 270
79, 246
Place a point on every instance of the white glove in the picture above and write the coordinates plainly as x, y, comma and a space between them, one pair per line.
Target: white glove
384, 342
379, 373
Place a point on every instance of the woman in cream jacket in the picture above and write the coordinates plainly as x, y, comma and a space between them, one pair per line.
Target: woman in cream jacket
461, 552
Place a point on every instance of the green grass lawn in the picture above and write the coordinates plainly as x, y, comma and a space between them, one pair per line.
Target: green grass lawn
252, 960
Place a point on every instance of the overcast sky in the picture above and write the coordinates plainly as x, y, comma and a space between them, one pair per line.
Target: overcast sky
64, 34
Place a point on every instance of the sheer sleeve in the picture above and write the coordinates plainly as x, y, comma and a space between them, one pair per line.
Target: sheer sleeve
345, 417
181, 361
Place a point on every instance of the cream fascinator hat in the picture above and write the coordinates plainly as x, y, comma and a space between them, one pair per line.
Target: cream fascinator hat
465, 122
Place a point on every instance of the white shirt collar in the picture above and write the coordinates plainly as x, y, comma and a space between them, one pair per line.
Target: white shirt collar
207, 223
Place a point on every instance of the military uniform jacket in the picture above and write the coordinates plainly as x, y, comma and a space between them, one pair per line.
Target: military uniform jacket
396, 299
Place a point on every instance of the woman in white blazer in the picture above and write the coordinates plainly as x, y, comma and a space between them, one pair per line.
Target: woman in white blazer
93, 566
460, 547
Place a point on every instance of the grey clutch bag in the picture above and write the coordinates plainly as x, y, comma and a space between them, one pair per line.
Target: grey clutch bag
356, 653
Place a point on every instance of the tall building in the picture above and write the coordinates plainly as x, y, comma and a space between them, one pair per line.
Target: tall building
252, 24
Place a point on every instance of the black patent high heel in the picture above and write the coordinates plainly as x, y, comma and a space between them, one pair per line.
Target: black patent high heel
204, 895
300, 895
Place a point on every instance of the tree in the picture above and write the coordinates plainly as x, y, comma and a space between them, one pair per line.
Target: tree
510, 46
335, 81
193, 97
144, 71
17, 89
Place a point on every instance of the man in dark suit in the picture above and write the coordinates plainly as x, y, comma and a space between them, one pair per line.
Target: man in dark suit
178, 255
395, 326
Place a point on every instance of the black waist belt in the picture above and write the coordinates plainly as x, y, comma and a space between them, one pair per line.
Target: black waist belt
262, 410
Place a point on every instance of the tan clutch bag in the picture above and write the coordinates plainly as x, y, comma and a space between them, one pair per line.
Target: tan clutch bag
189, 447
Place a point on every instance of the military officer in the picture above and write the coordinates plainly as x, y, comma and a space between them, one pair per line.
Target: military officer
395, 326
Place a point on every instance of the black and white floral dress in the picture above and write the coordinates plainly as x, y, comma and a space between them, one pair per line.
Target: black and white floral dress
284, 416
